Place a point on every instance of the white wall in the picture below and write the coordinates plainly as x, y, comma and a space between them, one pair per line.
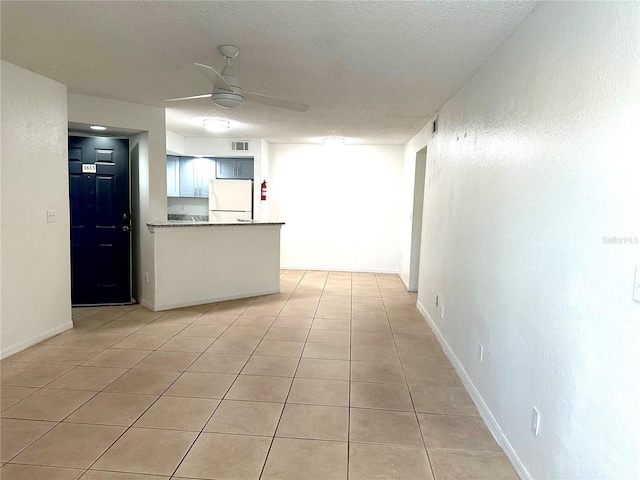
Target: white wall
264, 170
535, 162
187, 206
36, 274
175, 142
341, 205
149, 166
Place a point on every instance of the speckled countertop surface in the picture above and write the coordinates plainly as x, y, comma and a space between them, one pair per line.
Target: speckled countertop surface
189, 223
185, 216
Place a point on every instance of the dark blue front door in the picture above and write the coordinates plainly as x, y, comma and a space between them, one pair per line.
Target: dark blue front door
100, 220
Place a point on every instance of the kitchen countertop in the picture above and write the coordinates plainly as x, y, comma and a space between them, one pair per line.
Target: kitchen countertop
187, 223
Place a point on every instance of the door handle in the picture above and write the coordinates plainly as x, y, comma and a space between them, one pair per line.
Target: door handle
125, 228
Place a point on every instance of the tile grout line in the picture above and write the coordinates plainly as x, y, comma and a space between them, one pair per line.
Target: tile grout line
350, 364
129, 427
284, 405
59, 422
424, 443
262, 338
96, 393
199, 434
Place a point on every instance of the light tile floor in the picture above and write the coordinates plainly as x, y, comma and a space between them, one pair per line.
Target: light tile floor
336, 377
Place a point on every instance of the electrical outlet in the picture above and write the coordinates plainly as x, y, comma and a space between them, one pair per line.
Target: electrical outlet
481, 353
535, 422
146, 277
51, 216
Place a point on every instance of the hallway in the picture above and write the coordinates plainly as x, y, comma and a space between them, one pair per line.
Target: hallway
336, 377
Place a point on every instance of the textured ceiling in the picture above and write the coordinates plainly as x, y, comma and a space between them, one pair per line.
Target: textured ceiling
373, 72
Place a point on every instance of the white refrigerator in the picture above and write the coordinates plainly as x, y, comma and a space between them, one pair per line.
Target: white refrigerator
230, 200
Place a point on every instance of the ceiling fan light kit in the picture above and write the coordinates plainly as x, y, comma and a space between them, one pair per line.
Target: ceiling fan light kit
228, 93
215, 125
226, 99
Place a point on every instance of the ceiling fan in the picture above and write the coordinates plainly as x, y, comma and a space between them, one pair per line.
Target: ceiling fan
227, 92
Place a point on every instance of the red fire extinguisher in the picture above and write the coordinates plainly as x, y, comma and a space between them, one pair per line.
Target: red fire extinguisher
263, 190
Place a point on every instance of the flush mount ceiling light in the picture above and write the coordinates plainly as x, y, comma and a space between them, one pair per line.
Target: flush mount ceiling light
214, 125
97, 127
333, 141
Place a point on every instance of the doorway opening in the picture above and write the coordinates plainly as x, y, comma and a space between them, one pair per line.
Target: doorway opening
416, 218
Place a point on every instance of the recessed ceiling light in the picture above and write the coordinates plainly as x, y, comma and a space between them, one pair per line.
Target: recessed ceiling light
97, 127
215, 125
334, 141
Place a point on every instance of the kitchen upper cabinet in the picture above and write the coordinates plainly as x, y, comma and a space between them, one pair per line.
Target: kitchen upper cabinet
244, 168
173, 176
195, 175
190, 176
226, 168
235, 168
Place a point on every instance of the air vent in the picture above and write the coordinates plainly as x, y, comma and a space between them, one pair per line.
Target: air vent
434, 129
240, 146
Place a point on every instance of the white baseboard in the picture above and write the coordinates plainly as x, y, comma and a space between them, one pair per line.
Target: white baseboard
158, 308
37, 339
338, 270
145, 304
485, 412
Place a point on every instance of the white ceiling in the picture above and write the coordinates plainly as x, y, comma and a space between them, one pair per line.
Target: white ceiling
373, 72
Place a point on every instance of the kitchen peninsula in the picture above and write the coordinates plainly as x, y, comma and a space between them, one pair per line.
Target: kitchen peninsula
204, 262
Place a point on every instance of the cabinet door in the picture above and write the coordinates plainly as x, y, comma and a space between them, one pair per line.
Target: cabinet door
226, 168
173, 176
244, 168
206, 168
188, 176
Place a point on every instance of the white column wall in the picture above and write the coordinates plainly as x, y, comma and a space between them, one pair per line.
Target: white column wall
36, 273
148, 149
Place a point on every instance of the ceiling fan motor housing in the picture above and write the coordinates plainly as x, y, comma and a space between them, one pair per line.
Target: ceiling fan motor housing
225, 98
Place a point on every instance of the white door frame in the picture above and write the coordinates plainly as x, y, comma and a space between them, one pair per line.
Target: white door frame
416, 218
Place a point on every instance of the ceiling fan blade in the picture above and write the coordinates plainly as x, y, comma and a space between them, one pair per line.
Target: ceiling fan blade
213, 76
204, 95
275, 102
